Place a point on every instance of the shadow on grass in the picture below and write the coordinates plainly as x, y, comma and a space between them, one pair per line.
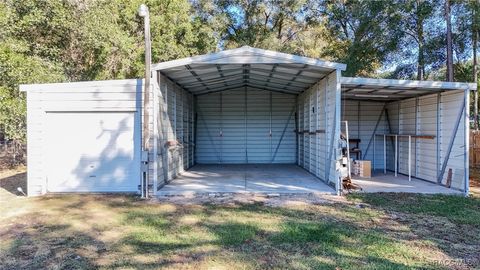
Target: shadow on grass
12, 183
47, 246
451, 222
299, 239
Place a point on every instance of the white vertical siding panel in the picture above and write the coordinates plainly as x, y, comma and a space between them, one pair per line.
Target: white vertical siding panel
321, 136
333, 126
320, 151
208, 129
175, 113
108, 96
407, 126
301, 128
283, 128
426, 152
259, 145
451, 103
243, 119
363, 117
235, 127
392, 127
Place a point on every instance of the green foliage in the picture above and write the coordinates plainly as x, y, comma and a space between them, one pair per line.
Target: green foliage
461, 210
16, 68
361, 34
50, 41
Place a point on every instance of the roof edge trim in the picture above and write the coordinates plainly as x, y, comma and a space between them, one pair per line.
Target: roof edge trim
204, 59
408, 83
69, 85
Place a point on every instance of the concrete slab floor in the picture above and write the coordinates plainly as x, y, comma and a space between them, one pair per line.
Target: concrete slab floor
389, 183
245, 178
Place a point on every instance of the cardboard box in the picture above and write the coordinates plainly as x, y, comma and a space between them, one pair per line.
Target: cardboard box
362, 168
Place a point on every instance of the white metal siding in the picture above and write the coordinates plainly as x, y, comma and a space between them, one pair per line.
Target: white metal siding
234, 127
364, 120
451, 107
259, 141
92, 152
426, 149
421, 116
208, 146
121, 96
231, 135
175, 131
408, 116
319, 127
283, 142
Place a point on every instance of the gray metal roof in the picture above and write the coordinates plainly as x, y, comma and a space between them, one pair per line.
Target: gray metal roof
249, 68
391, 90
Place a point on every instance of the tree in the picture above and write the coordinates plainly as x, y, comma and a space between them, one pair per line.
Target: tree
448, 20
474, 5
415, 14
51, 41
362, 34
276, 25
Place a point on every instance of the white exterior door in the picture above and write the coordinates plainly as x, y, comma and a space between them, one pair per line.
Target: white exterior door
92, 152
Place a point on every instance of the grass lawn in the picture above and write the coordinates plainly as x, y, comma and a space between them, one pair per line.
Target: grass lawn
381, 231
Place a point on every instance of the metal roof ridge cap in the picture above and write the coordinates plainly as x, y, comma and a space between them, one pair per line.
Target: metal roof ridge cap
237, 51
195, 58
300, 59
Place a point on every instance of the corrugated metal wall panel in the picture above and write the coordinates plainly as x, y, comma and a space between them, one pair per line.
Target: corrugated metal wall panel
283, 126
259, 146
322, 125
319, 128
301, 127
208, 138
175, 130
392, 126
419, 116
451, 105
408, 116
104, 96
243, 118
426, 149
233, 125
363, 117
313, 93
333, 124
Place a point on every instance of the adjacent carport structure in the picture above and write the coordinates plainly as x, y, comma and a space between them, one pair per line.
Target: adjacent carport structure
246, 120
414, 132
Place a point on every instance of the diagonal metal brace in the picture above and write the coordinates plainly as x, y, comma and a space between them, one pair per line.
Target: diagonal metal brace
452, 140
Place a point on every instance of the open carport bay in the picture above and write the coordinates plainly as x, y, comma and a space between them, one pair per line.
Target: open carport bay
244, 106
249, 178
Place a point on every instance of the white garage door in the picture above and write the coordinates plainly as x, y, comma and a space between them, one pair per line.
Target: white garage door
92, 152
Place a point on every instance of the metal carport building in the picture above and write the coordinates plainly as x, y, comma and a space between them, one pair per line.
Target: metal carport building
240, 106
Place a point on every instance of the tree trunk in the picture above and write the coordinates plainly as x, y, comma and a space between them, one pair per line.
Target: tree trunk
475, 71
475, 78
448, 18
421, 51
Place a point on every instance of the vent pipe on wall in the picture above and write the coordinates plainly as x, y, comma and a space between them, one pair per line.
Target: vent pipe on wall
144, 13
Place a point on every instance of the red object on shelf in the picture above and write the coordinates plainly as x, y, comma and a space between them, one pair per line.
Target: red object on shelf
172, 143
